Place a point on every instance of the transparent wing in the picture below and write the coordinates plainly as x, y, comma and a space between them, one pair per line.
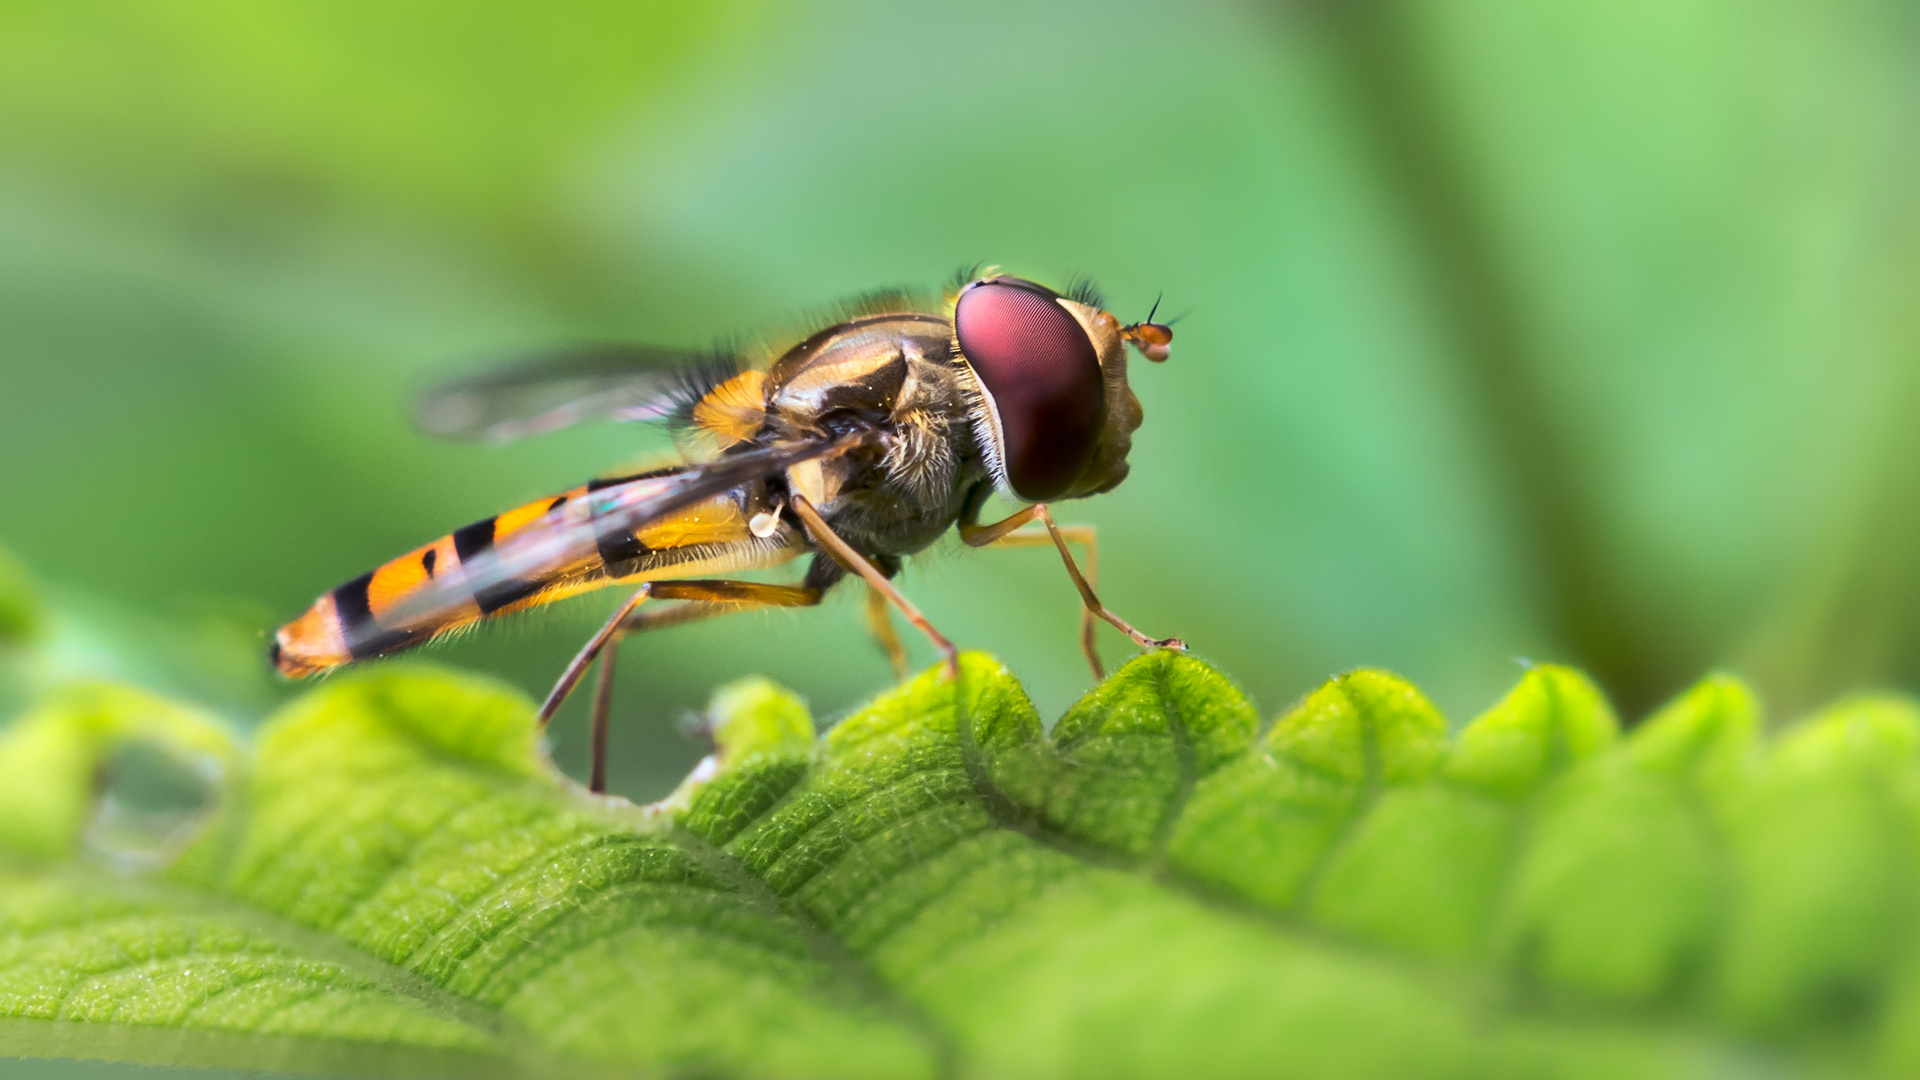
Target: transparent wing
539, 553
548, 391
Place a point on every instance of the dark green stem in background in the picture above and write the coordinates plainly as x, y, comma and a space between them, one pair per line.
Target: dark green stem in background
1852, 616
1376, 55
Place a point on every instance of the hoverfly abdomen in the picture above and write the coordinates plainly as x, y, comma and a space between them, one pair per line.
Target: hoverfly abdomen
429, 592
733, 411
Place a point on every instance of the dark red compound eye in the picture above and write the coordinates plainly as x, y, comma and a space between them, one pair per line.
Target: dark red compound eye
1044, 375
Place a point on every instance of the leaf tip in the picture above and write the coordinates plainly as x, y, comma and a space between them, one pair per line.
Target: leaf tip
1712, 726
756, 715
1361, 722
1552, 719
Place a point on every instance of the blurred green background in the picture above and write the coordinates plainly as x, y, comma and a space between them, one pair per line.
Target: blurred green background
1582, 331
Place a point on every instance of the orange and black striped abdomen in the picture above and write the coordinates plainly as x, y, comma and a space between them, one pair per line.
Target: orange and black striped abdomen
421, 595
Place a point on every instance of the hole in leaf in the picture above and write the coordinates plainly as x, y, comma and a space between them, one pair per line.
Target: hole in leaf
148, 804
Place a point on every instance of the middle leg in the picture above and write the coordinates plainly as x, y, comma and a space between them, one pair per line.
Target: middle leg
844, 554
880, 624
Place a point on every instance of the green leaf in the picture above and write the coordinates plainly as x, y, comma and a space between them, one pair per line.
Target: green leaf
1822, 844
900, 844
1132, 753
82, 946
1553, 720
398, 883
411, 817
48, 758
1262, 824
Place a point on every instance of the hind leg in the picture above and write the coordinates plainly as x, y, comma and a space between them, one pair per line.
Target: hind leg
705, 599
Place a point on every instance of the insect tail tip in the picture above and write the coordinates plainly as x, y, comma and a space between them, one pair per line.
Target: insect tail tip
292, 665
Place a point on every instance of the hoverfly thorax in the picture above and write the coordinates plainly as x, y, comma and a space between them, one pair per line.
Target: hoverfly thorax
1054, 414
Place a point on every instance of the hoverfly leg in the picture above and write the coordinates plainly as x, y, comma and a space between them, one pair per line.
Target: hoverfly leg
1085, 585
601, 645
602, 713
1090, 606
844, 554
570, 678
974, 534
1015, 531
880, 623
1011, 533
702, 599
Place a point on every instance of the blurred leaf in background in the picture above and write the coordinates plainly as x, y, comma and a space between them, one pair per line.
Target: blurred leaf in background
20, 614
1578, 332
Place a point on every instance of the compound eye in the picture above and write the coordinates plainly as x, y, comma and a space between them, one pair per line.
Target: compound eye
1043, 374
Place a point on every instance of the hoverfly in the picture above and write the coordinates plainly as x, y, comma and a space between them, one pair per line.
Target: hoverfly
858, 446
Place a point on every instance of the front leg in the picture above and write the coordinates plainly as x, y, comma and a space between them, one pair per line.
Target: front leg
1012, 532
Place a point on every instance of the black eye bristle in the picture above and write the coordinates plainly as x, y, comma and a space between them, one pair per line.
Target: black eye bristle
1082, 290
964, 276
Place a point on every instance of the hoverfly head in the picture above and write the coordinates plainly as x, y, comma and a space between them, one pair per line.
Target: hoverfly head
1055, 412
